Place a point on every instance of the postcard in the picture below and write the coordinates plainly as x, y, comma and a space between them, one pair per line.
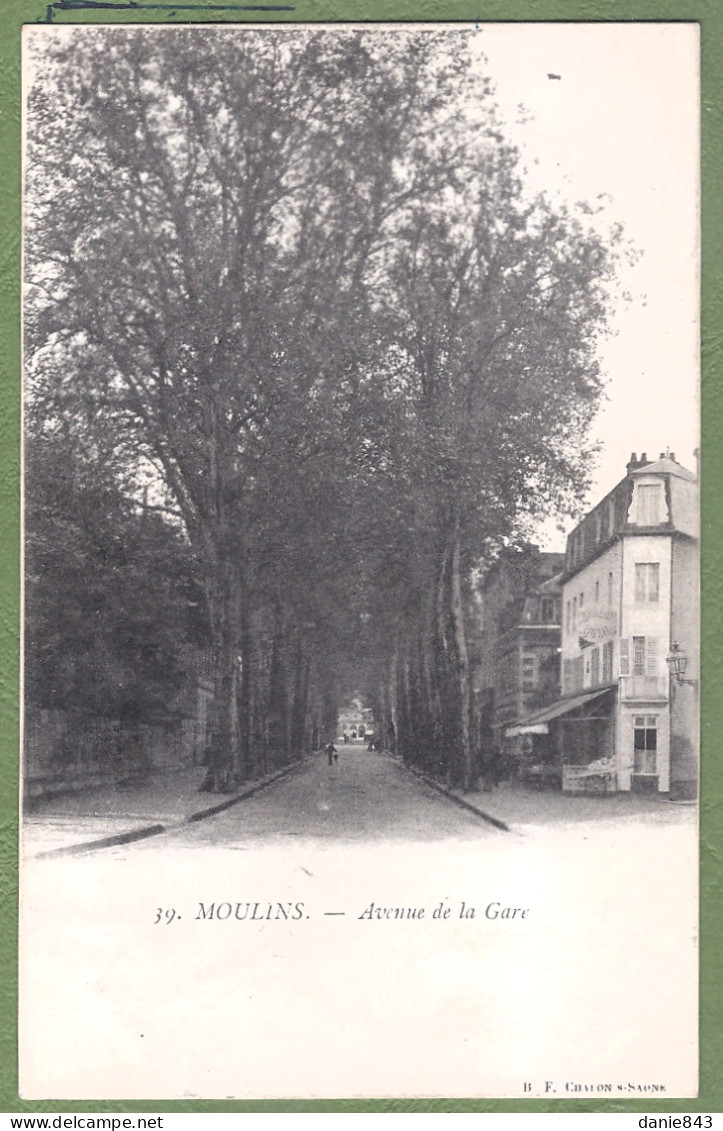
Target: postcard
361, 562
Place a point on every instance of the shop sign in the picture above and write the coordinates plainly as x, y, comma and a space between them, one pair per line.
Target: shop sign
596, 626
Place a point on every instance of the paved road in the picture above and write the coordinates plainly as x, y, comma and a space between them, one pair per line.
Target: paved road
363, 797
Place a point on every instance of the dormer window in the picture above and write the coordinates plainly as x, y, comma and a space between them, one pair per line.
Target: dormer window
649, 503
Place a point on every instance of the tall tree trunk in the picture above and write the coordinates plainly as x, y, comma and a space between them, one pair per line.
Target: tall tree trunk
299, 707
278, 732
222, 750
443, 673
246, 680
462, 663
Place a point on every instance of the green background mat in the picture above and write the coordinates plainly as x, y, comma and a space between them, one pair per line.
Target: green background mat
709, 13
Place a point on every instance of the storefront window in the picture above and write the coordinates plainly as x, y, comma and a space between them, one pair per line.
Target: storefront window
645, 744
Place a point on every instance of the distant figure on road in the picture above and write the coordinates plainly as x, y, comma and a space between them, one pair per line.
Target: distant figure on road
331, 753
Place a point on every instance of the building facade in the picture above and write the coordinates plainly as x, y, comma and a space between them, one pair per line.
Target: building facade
629, 594
518, 646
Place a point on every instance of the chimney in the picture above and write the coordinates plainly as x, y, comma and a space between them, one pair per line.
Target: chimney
634, 463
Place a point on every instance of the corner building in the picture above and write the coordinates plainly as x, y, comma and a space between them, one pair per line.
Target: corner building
630, 589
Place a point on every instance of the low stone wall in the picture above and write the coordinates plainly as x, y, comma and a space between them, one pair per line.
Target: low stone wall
64, 752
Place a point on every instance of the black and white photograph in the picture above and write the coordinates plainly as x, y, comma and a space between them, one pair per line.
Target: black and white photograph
360, 739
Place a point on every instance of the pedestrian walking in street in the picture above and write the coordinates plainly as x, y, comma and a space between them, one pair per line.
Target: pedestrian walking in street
331, 753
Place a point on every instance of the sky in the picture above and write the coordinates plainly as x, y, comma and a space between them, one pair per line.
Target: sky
622, 121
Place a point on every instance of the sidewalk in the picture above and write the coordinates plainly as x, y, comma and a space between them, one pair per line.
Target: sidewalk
520, 807
123, 813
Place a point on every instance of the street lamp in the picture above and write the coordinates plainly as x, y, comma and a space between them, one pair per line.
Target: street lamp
677, 661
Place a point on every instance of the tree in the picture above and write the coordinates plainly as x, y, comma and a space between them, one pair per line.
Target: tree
500, 318
302, 268
208, 249
111, 599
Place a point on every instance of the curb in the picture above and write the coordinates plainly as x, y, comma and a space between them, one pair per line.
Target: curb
155, 830
212, 810
104, 842
498, 824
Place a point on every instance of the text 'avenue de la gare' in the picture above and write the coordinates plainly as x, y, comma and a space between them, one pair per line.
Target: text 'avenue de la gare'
494, 910
275, 912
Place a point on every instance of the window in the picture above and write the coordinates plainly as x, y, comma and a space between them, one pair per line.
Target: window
582, 599
597, 592
651, 652
607, 662
610, 588
574, 614
649, 496
645, 744
595, 667
547, 610
576, 547
647, 581
645, 655
507, 673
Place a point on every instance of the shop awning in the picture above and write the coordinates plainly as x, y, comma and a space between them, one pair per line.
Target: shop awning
536, 723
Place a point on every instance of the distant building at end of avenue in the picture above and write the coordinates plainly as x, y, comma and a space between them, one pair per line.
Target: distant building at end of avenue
627, 715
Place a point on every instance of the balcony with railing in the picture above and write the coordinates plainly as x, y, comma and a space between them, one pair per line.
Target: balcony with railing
644, 688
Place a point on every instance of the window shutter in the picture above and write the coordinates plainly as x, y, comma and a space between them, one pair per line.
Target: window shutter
652, 656
624, 657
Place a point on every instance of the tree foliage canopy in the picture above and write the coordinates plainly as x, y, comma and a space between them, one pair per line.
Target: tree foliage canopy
299, 275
